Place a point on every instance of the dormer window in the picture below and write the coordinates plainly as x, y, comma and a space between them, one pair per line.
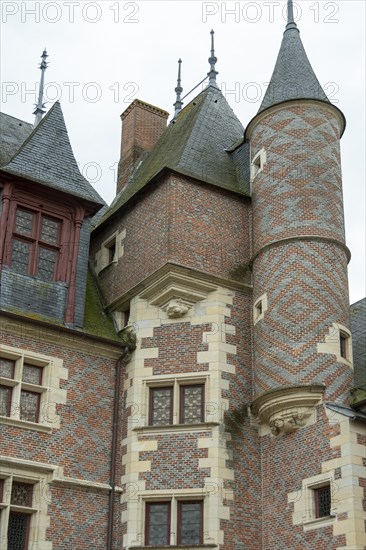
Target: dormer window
35, 244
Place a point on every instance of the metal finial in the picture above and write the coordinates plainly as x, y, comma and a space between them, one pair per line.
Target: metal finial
290, 16
212, 61
40, 106
178, 90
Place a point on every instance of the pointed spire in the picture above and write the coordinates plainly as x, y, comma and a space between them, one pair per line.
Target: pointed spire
293, 76
40, 107
212, 61
290, 16
178, 90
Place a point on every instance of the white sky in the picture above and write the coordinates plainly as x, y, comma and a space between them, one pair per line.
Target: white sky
104, 54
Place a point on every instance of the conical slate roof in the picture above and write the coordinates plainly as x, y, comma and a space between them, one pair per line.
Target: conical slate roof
46, 157
293, 76
194, 145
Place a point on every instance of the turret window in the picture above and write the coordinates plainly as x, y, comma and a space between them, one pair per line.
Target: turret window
258, 163
343, 345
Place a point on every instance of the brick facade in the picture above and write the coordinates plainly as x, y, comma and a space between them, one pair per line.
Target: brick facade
223, 274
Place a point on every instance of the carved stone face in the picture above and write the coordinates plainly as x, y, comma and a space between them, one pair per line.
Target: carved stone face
176, 309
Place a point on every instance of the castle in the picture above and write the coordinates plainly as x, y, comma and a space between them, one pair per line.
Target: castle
177, 369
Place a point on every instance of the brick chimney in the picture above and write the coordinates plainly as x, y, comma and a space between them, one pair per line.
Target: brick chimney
142, 126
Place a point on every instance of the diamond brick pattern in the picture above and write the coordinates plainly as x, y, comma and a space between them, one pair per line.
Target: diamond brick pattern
299, 191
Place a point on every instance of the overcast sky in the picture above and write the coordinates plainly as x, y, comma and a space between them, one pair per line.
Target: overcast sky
102, 55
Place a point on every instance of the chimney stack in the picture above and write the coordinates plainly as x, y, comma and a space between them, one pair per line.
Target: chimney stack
142, 126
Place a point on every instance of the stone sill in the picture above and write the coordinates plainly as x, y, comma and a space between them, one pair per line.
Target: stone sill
202, 426
317, 523
25, 424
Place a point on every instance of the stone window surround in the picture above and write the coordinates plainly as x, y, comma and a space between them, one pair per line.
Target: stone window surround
50, 391
41, 497
102, 256
307, 502
173, 513
173, 496
260, 307
257, 164
176, 382
332, 344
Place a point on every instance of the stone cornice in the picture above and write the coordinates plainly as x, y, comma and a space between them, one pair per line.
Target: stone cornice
317, 238
199, 282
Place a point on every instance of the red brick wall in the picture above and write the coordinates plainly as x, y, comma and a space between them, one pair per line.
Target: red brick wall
286, 461
181, 221
82, 445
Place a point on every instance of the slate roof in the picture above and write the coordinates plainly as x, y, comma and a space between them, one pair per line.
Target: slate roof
358, 329
13, 132
293, 76
46, 157
194, 145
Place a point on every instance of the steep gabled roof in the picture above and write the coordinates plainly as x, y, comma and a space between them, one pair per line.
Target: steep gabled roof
46, 157
293, 76
194, 145
13, 132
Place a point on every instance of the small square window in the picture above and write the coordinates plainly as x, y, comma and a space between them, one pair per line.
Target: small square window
322, 501
21, 494
7, 367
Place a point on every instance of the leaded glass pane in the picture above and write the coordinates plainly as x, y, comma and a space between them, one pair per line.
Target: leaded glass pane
21, 494
32, 374
24, 222
18, 531
47, 262
190, 522
158, 523
323, 501
49, 230
192, 404
7, 367
29, 402
5, 400
161, 406
20, 256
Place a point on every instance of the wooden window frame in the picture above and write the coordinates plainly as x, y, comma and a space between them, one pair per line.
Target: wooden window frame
151, 404
182, 388
147, 519
181, 503
35, 240
316, 492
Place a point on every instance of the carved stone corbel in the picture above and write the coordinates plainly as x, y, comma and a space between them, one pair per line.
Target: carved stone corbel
287, 409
